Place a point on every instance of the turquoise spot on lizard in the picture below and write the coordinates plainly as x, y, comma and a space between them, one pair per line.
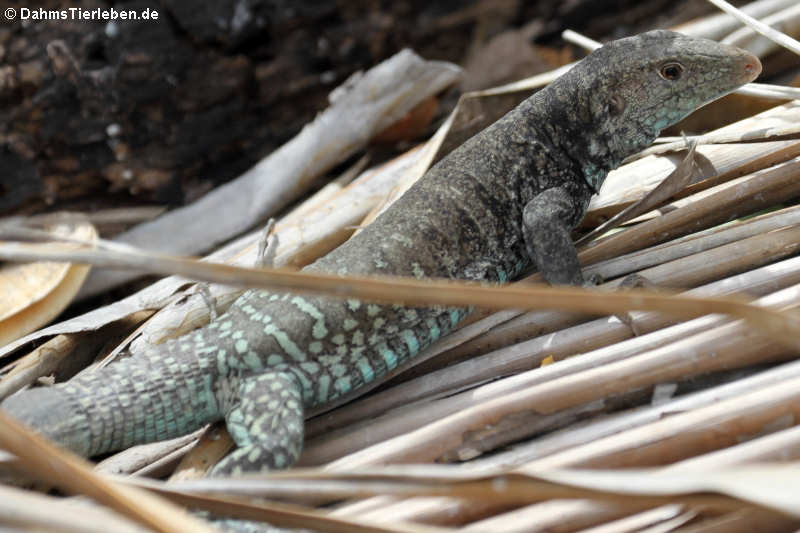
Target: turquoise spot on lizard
311, 367
338, 339
328, 361
417, 270
410, 315
374, 339
222, 362
323, 385
342, 385
662, 123
455, 317
349, 324
373, 309
389, 357
305, 384
252, 361
411, 341
241, 346
367, 373
355, 353
315, 347
358, 338
288, 345
319, 330
433, 329
274, 359
280, 460
353, 304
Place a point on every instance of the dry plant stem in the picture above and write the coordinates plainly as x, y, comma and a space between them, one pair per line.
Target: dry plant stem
586, 433
736, 198
74, 474
523, 356
718, 26
63, 355
785, 151
744, 521
779, 446
166, 465
534, 518
512, 429
736, 140
695, 243
727, 346
671, 185
413, 292
419, 510
285, 515
214, 443
30, 511
637, 488
40, 362
688, 434
722, 261
141, 457
780, 38
660, 517
718, 162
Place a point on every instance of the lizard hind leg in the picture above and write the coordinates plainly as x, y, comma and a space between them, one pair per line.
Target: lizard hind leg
266, 423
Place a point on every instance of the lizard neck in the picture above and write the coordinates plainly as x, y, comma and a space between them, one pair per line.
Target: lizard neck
580, 126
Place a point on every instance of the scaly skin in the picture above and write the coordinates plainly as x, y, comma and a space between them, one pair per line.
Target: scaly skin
508, 196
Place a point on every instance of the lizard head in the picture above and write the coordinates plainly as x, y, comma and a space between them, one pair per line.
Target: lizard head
629, 90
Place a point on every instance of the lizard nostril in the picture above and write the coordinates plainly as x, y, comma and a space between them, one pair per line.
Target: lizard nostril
752, 67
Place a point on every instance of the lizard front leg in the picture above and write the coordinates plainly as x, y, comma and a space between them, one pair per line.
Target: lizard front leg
266, 423
547, 221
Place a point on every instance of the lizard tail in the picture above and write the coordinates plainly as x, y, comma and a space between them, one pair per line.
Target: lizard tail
136, 400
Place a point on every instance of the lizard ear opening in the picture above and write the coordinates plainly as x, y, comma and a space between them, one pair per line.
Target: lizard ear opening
616, 105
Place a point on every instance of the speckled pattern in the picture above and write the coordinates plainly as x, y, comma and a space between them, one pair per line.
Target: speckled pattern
509, 195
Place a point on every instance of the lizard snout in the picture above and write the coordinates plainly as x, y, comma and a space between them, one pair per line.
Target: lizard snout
752, 66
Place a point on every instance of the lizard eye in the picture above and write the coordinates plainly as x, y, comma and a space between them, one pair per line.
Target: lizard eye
671, 71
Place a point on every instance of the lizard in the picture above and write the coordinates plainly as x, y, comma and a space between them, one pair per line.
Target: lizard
506, 199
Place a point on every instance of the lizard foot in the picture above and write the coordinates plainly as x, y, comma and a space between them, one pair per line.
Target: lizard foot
633, 281
266, 424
